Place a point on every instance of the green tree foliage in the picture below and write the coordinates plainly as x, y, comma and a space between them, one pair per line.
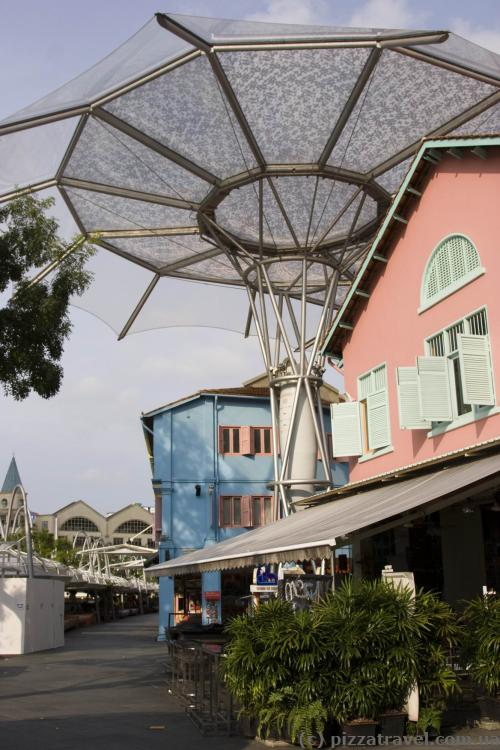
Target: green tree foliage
45, 545
34, 322
481, 648
355, 654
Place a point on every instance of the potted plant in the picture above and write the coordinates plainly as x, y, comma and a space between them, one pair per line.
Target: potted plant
481, 652
428, 724
392, 723
273, 668
439, 633
371, 638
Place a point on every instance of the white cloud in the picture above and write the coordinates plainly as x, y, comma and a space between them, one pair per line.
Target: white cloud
92, 474
88, 386
486, 37
292, 11
389, 14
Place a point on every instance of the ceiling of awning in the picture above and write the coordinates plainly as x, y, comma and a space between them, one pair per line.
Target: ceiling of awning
200, 140
312, 533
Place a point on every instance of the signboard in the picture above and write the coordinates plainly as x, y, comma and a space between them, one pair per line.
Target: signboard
264, 588
304, 589
212, 596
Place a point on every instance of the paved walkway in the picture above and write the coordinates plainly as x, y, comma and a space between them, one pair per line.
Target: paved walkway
105, 690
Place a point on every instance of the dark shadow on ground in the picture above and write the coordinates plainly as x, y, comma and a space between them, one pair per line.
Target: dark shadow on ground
105, 690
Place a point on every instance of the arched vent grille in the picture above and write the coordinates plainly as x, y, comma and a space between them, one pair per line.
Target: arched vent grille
453, 263
79, 523
135, 526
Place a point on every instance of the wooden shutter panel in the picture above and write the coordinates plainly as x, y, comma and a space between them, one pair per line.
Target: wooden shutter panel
221, 440
475, 369
434, 389
346, 429
377, 416
221, 511
246, 510
408, 400
246, 442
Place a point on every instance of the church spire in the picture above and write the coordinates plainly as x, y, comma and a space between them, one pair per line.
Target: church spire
12, 478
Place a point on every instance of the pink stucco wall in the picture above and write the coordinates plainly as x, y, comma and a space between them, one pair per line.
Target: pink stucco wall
461, 196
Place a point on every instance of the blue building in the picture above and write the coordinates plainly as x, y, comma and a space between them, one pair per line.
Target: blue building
212, 464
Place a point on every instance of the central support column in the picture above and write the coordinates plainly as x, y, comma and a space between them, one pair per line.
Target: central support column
295, 372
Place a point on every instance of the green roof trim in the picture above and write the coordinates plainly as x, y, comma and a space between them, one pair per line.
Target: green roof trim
435, 143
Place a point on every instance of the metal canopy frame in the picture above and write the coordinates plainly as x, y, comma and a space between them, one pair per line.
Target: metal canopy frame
246, 217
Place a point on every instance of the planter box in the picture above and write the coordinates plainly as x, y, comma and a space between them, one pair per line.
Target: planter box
490, 711
362, 731
393, 724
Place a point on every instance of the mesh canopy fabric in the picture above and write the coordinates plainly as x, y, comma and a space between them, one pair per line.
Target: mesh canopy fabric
201, 144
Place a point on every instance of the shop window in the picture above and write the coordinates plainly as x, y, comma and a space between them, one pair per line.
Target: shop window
453, 383
453, 263
245, 511
361, 428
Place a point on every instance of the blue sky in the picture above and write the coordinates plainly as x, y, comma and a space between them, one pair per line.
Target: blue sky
87, 443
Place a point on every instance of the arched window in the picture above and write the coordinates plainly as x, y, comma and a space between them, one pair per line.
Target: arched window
79, 523
453, 263
132, 527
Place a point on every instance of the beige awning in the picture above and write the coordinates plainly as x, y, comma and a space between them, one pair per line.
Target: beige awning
312, 533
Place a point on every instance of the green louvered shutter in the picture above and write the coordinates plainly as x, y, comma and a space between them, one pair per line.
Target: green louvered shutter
475, 369
408, 400
377, 416
346, 429
434, 389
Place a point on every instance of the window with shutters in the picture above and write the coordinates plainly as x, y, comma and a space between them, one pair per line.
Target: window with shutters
452, 384
229, 439
374, 410
262, 441
244, 511
454, 263
245, 440
361, 428
469, 370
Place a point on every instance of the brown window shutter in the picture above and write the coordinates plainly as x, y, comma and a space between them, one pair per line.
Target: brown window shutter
221, 440
246, 447
246, 510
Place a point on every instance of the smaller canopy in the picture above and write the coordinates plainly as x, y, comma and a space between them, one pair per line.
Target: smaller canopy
313, 533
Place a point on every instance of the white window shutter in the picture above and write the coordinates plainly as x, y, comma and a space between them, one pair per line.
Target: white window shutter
475, 369
377, 416
408, 400
346, 429
434, 389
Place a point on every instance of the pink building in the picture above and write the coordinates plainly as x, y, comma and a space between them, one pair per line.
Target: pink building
419, 336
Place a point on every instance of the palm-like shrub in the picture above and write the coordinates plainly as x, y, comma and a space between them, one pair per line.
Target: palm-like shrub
371, 640
481, 644
354, 655
271, 668
439, 632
